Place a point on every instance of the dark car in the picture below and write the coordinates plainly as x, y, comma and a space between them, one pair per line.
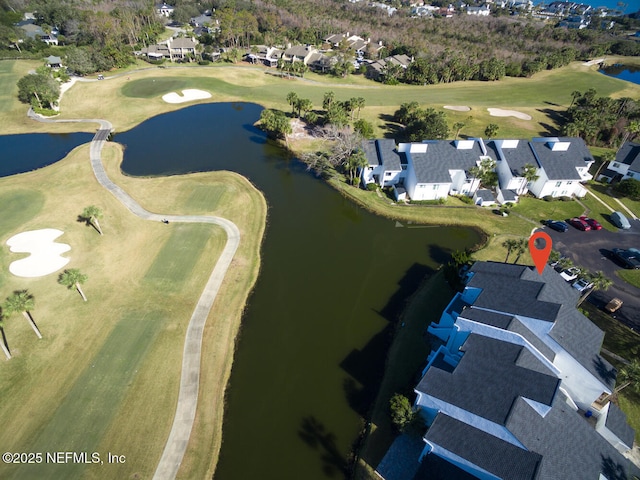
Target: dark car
626, 258
556, 225
579, 224
594, 224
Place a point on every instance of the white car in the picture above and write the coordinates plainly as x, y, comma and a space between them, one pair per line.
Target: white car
581, 285
570, 274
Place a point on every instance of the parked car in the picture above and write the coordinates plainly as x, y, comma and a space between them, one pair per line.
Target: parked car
613, 305
582, 284
570, 274
579, 224
556, 225
594, 224
626, 258
620, 221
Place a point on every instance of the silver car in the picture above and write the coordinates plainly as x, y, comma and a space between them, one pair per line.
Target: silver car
620, 221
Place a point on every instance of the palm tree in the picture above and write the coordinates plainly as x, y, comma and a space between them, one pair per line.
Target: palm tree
292, 99
520, 248
530, 174
629, 375
457, 127
509, 244
22, 301
358, 102
91, 214
574, 96
73, 278
599, 281
4, 345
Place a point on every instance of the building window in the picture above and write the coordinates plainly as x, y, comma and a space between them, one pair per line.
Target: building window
616, 165
558, 184
387, 174
435, 187
630, 174
569, 183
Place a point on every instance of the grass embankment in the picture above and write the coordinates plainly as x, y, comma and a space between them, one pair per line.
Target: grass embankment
107, 371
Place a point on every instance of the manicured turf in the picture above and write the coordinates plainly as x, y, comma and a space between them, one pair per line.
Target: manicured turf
7, 84
181, 252
152, 87
82, 417
630, 276
207, 197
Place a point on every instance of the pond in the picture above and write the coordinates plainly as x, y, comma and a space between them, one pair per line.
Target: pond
334, 279
630, 73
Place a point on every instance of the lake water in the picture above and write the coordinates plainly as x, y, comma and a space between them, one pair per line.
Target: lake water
333, 280
623, 72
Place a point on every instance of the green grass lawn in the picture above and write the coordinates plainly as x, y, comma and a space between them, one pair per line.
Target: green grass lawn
7, 84
630, 276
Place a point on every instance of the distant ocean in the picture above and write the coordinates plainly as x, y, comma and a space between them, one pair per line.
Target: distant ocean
631, 5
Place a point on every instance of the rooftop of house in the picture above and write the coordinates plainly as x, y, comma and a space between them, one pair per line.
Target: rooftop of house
520, 291
383, 152
480, 448
488, 379
517, 154
485, 195
561, 158
298, 51
629, 154
558, 444
617, 423
443, 155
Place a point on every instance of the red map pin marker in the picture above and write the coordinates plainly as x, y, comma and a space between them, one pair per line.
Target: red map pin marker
540, 255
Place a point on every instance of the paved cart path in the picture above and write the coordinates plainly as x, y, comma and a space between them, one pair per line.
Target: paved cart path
176, 445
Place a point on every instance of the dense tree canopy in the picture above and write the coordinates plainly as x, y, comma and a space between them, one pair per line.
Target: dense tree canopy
39, 90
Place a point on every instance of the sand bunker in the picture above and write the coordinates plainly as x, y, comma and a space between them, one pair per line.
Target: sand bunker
457, 108
45, 255
188, 95
498, 112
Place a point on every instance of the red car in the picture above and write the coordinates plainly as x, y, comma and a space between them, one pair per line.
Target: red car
592, 223
579, 224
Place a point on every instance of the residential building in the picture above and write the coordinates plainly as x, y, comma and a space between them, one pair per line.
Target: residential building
54, 62
386, 166
438, 168
299, 53
164, 9
626, 164
482, 11
517, 388
376, 69
563, 163
173, 49
512, 157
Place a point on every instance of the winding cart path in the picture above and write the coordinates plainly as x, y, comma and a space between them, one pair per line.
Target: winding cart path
184, 417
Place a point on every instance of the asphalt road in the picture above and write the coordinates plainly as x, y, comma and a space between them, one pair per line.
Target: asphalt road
589, 250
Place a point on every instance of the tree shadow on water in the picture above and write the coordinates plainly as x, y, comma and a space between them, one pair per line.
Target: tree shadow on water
314, 433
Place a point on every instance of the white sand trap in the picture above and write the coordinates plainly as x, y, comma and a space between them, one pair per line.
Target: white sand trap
458, 108
498, 112
188, 95
45, 255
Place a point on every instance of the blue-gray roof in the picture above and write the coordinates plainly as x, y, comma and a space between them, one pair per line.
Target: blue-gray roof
487, 380
509, 195
442, 156
502, 459
389, 156
617, 423
485, 195
629, 154
561, 165
383, 152
517, 157
520, 290
571, 449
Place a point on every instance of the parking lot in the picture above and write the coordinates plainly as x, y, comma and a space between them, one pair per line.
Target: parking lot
589, 250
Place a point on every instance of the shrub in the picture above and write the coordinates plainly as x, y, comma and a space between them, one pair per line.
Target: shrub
464, 199
402, 414
439, 201
372, 187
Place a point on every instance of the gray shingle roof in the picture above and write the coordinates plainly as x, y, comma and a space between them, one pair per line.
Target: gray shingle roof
487, 380
629, 154
388, 154
371, 152
520, 290
570, 447
490, 453
617, 423
485, 195
517, 157
561, 165
442, 156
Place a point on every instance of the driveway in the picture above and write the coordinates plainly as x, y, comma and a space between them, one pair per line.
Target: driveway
588, 250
